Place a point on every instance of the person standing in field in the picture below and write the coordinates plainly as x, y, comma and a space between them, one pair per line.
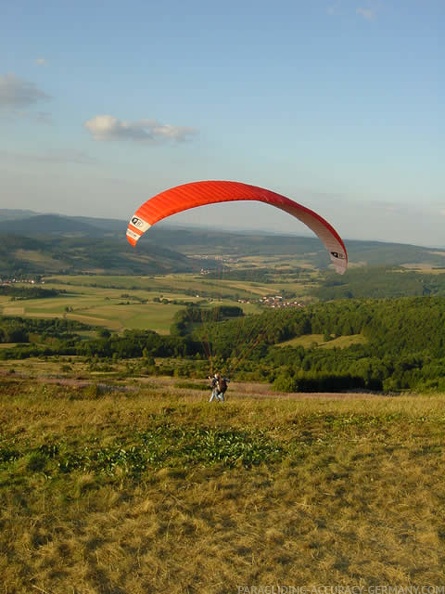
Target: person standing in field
219, 387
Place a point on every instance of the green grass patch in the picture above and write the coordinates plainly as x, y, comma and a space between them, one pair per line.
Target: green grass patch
319, 340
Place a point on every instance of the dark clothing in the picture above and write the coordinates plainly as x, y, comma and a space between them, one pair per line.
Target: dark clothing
219, 387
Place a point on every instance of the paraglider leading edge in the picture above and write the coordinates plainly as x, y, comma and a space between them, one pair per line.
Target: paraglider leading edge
201, 193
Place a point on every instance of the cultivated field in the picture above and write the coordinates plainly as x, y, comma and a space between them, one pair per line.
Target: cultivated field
120, 303
139, 485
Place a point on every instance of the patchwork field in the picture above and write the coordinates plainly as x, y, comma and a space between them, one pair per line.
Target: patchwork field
120, 303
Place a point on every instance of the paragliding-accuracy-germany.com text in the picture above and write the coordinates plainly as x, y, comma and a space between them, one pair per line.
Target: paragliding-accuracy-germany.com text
339, 589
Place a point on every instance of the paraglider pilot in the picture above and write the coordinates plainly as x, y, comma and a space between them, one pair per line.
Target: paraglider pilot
219, 386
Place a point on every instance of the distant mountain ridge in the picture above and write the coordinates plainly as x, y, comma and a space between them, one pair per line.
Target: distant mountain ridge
9, 214
34, 244
47, 243
28, 222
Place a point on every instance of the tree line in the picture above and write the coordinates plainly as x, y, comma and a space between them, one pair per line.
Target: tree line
402, 344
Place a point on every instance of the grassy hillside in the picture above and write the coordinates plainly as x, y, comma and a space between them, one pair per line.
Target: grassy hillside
29, 257
143, 487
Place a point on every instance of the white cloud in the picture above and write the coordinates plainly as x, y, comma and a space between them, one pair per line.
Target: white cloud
107, 127
18, 93
367, 13
41, 61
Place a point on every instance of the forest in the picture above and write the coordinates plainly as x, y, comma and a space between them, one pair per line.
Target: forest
394, 344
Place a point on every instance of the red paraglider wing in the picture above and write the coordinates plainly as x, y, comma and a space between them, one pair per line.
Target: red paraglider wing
201, 193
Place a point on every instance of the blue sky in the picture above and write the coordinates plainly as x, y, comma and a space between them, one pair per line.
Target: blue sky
338, 104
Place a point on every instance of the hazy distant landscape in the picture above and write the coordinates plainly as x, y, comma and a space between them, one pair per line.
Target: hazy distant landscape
44, 243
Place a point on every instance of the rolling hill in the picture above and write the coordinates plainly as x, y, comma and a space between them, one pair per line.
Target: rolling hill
32, 243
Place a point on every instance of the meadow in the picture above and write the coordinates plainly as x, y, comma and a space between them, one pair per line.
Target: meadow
138, 485
117, 483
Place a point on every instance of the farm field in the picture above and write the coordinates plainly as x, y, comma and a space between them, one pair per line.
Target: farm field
119, 302
136, 485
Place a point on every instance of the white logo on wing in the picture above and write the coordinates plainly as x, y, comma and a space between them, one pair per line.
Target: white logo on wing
136, 222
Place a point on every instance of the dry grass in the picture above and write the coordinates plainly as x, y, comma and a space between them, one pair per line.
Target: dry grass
347, 491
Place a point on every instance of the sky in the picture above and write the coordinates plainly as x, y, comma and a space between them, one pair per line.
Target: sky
337, 104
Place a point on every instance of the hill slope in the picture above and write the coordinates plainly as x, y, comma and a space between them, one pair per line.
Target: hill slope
34, 243
24, 256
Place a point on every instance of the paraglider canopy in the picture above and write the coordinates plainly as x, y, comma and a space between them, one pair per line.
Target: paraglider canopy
201, 193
